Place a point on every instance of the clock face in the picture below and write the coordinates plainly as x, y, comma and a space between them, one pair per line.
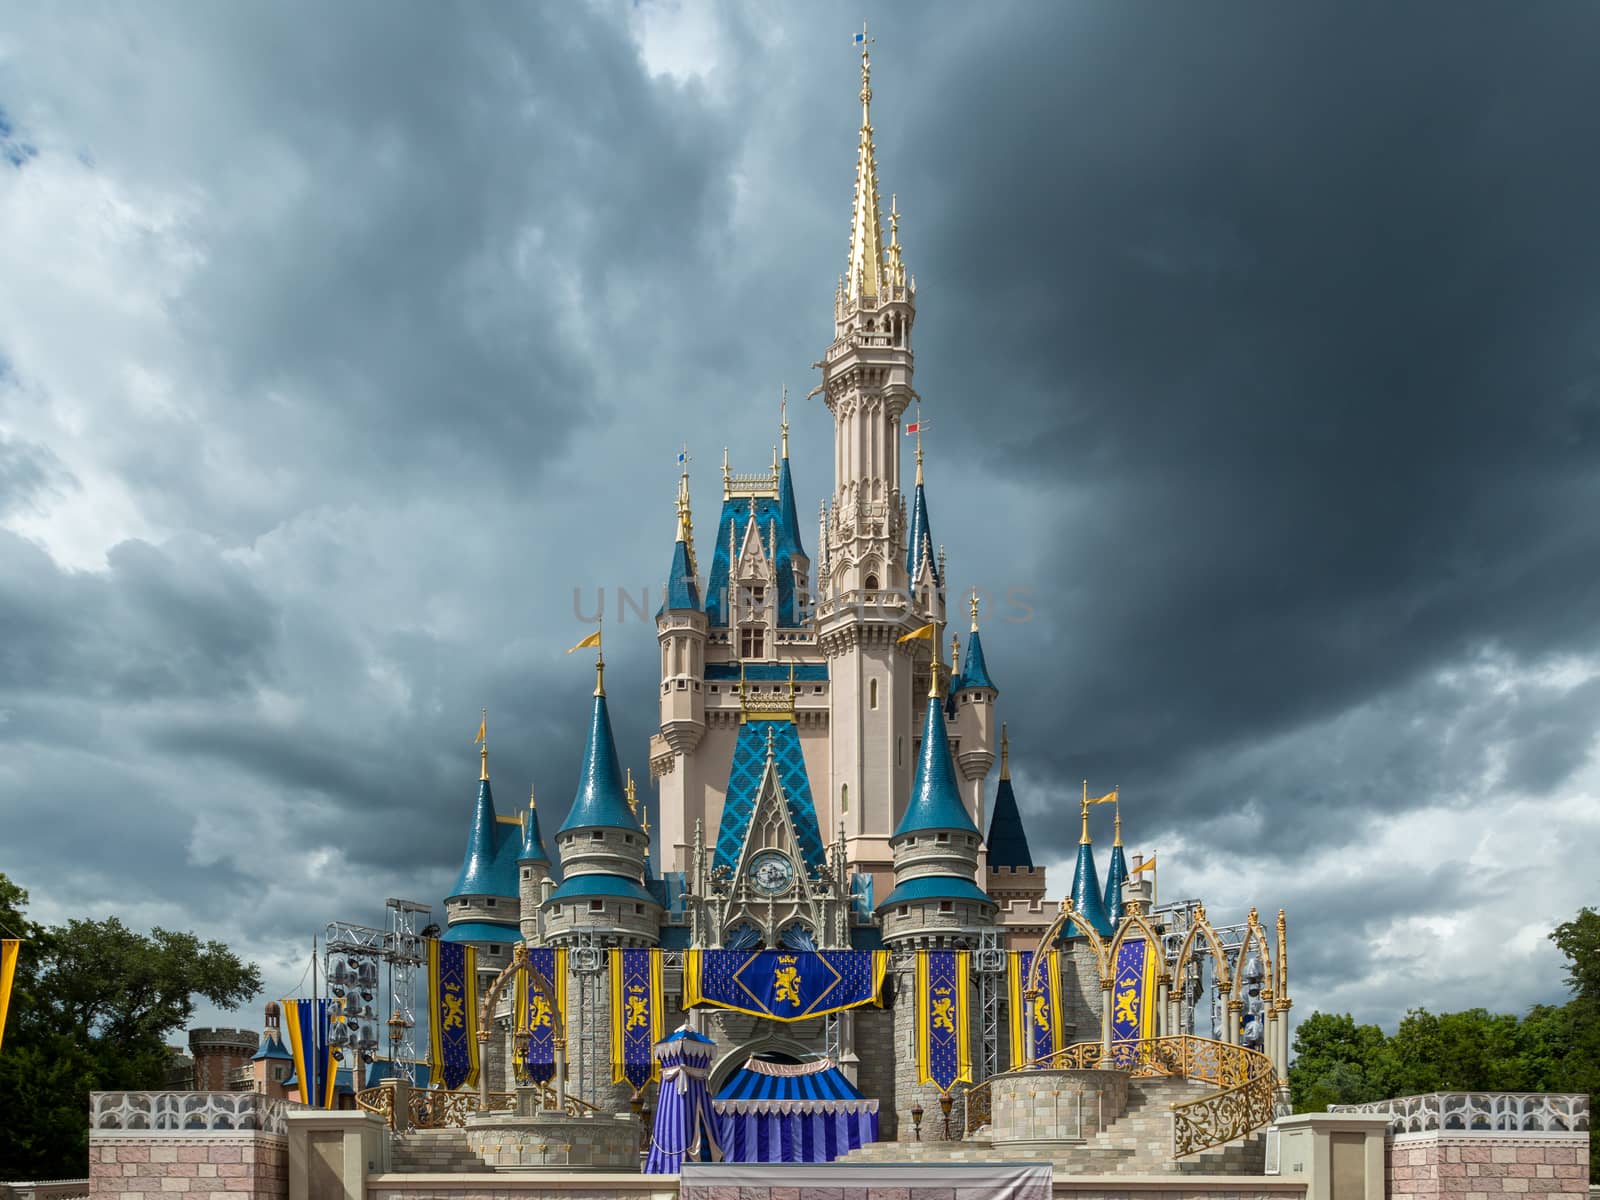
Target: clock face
771, 872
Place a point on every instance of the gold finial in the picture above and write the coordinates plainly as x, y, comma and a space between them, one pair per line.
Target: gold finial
726, 475
685, 516
783, 419
974, 610
769, 743
866, 227
955, 655
1117, 811
919, 442
1083, 840
483, 742
599, 661
631, 793
897, 267
933, 683
531, 804
1005, 753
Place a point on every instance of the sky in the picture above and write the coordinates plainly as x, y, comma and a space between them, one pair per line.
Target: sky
345, 357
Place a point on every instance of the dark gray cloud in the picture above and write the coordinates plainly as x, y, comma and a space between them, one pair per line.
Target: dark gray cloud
1259, 348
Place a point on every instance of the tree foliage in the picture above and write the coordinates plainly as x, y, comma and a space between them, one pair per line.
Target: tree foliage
92, 1007
1553, 1048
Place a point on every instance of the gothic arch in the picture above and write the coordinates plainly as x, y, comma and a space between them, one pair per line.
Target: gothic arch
724, 1067
1202, 927
1071, 916
1254, 933
1152, 938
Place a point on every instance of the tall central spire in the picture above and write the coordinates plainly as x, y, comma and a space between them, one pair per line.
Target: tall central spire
865, 276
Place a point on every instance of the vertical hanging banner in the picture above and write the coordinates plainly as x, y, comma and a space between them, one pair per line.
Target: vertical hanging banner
636, 999
544, 1016
8, 967
314, 1067
944, 1049
1043, 1011
452, 1014
1133, 994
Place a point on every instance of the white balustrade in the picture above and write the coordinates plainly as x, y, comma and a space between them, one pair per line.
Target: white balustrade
1480, 1112
183, 1113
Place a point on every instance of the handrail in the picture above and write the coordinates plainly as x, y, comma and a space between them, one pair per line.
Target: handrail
1242, 1104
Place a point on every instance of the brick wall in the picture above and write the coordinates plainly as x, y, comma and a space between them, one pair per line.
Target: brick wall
1426, 1166
207, 1165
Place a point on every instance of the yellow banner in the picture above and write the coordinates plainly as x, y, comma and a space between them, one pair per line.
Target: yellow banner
8, 967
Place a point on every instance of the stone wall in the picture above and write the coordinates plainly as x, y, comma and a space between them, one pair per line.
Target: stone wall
1483, 1166
1081, 993
159, 1165
608, 1143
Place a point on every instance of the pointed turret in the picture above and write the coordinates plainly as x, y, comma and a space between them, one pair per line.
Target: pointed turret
1087, 897
789, 514
603, 850
481, 908
920, 554
1008, 841
976, 673
1116, 873
865, 271
601, 802
532, 850
935, 798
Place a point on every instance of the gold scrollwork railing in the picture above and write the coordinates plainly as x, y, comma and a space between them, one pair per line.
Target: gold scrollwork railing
378, 1100
436, 1109
1244, 1077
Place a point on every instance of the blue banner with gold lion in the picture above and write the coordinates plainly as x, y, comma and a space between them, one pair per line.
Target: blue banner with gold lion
452, 1014
784, 985
944, 1042
636, 1001
1133, 991
1043, 1009
542, 1009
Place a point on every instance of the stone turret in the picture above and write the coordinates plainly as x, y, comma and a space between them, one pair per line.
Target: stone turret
972, 700
483, 908
533, 871
603, 852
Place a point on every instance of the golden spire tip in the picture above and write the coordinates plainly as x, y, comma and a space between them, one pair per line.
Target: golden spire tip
974, 610
783, 419
1083, 839
483, 751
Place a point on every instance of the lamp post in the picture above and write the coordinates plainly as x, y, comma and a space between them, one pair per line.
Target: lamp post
945, 1101
916, 1121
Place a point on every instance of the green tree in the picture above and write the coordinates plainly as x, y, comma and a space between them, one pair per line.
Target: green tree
1579, 940
1337, 1061
93, 1006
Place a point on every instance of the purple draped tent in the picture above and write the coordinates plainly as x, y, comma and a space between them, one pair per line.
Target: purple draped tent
684, 1127
793, 1113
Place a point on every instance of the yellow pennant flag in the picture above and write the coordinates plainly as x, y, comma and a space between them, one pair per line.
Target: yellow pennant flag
8, 967
1108, 798
1148, 864
925, 633
483, 731
592, 640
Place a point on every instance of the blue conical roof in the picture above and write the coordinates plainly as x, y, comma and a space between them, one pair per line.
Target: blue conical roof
1086, 895
1008, 842
1116, 876
935, 801
920, 543
479, 874
791, 517
682, 590
600, 802
975, 672
532, 850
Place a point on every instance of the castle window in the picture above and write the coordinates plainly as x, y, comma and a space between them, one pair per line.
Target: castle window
871, 583
597, 836
946, 906
598, 906
527, 871
900, 752
941, 837
489, 903
638, 908
752, 643
495, 950
818, 689
902, 911
872, 694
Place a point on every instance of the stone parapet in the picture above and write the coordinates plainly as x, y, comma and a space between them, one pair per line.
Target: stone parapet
1041, 1109
510, 1142
157, 1165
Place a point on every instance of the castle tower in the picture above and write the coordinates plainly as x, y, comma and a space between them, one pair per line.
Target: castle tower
681, 629
482, 910
1013, 880
602, 851
218, 1054
972, 698
272, 1063
1084, 993
533, 870
866, 603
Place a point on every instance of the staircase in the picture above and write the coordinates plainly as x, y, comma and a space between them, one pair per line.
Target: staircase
435, 1152
1137, 1143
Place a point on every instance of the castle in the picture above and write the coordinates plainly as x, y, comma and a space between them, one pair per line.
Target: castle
822, 772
